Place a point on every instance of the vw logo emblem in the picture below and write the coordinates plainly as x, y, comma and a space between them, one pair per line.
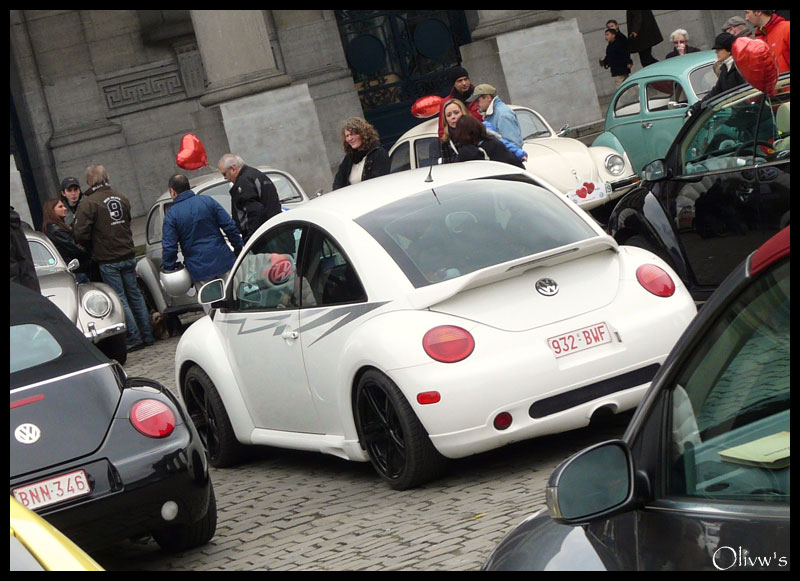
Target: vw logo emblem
27, 433
547, 286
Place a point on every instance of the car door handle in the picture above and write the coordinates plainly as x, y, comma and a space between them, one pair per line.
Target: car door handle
647, 125
290, 335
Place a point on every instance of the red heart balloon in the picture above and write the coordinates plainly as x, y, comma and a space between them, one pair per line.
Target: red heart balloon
427, 106
192, 154
756, 63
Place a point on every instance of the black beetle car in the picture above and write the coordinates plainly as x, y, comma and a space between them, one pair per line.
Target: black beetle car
700, 479
100, 455
722, 190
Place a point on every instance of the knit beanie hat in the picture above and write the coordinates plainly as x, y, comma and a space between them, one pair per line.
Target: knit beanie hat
455, 74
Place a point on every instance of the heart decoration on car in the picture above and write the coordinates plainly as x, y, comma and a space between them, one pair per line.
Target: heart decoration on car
589, 186
582, 192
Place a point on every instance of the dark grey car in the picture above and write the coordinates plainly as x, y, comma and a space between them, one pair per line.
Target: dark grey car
700, 479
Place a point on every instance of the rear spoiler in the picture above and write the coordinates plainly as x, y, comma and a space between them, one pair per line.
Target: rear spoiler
430, 295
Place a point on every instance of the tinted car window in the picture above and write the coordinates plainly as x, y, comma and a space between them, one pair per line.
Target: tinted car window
628, 102
702, 80
155, 224
460, 228
33, 345
730, 408
427, 151
265, 278
661, 93
401, 159
328, 276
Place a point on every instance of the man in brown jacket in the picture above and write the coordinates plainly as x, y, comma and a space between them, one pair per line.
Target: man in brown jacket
103, 222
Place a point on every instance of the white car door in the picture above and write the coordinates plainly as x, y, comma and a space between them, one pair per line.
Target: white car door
261, 334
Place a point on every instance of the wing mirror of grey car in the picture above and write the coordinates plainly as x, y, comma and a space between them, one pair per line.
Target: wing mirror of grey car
655, 171
212, 292
73, 265
594, 483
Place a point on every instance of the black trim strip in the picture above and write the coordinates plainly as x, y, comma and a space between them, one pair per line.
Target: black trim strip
576, 397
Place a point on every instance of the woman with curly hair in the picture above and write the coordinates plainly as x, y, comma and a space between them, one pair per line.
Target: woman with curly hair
364, 157
60, 234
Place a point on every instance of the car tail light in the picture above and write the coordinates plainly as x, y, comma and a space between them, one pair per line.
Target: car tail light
153, 418
655, 280
448, 344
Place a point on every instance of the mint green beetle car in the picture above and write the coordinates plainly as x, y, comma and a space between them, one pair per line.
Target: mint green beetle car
649, 108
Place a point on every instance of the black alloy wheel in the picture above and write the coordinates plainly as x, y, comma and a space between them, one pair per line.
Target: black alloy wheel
209, 417
389, 430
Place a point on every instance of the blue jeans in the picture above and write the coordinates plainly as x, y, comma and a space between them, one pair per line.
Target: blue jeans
121, 276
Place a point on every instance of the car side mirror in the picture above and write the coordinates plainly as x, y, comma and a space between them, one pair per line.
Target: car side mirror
655, 171
212, 292
594, 483
73, 265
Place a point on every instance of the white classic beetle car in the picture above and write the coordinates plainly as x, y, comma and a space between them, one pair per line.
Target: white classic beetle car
589, 176
421, 316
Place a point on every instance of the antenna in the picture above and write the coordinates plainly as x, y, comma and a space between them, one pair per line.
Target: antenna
430, 177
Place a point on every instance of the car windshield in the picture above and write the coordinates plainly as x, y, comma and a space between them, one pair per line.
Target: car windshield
702, 80
33, 345
42, 257
531, 124
456, 229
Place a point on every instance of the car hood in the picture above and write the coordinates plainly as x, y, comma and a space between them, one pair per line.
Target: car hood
59, 286
72, 413
563, 162
587, 275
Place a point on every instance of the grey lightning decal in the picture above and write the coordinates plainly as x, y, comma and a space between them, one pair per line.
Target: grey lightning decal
347, 314
278, 322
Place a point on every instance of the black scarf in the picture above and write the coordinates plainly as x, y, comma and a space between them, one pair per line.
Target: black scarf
358, 155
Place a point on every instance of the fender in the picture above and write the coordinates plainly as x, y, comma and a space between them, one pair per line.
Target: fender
540, 544
608, 139
640, 213
201, 345
149, 277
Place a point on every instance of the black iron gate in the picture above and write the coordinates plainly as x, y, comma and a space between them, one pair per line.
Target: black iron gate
398, 56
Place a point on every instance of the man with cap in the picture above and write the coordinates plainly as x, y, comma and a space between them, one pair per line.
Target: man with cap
729, 76
461, 88
70, 196
737, 26
500, 115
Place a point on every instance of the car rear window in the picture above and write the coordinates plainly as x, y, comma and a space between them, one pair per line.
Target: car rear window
33, 345
450, 231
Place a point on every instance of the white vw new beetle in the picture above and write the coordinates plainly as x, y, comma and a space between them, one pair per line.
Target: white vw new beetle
422, 316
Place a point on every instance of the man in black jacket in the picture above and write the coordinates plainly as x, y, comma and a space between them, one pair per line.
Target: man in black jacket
70, 195
254, 198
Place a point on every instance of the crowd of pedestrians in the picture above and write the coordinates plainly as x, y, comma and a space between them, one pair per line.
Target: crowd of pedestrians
94, 226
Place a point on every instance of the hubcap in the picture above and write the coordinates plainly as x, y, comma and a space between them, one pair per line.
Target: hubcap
381, 430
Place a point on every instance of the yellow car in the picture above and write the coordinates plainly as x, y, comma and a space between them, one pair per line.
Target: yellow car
36, 545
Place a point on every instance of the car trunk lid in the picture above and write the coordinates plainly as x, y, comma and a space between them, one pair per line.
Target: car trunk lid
61, 419
586, 276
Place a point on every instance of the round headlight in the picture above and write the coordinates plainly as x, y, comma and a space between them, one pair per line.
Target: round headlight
615, 165
96, 303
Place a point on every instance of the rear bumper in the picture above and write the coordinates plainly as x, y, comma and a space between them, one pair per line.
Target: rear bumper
128, 493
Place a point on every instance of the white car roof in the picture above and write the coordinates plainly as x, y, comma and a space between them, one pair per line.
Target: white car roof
362, 198
213, 178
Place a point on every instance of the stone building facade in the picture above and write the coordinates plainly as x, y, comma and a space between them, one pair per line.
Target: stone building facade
122, 87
